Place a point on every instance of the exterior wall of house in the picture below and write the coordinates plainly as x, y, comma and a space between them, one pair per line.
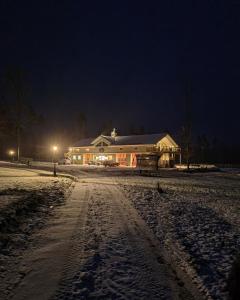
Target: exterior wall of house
164, 160
115, 149
165, 143
77, 158
125, 155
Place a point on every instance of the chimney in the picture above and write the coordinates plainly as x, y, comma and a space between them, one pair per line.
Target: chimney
114, 133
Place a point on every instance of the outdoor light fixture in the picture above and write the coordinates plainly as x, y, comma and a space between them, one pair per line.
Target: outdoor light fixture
11, 154
70, 149
54, 150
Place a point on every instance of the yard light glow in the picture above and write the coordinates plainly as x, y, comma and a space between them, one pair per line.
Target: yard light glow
54, 150
11, 152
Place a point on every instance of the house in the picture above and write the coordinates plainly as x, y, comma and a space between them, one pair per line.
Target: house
126, 150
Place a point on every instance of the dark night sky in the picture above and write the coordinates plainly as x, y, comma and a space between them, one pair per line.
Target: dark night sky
128, 61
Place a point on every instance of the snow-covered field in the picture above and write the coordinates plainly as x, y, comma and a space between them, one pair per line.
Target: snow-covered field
197, 220
115, 233
17, 183
27, 198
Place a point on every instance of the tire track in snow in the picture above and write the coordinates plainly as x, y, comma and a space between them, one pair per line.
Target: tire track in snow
49, 259
100, 248
141, 237
76, 256
121, 259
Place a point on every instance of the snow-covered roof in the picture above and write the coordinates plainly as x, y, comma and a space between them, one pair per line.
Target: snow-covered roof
83, 143
143, 139
136, 139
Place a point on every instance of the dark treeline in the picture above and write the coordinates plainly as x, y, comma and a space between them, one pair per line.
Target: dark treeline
212, 151
30, 134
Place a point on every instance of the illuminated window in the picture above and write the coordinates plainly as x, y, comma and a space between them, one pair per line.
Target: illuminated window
101, 157
79, 157
74, 157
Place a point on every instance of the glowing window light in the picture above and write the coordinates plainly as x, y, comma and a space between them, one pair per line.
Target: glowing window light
101, 157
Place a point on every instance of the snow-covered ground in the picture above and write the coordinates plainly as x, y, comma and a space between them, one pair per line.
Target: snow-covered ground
197, 220
120, 235
95, 246
18, 183
27, 200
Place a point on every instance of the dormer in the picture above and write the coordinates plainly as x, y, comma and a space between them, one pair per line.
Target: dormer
101, 141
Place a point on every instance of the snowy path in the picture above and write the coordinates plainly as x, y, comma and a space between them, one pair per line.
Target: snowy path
97, 247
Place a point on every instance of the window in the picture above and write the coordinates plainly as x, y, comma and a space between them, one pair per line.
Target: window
101, 157
74, 157
79, 157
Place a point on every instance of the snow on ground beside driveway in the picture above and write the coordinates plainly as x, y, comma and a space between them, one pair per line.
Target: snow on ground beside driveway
26, 199
12, 178
197, 220
16, 183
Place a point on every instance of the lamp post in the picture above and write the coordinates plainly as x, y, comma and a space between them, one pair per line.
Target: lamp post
54, 150
11, 154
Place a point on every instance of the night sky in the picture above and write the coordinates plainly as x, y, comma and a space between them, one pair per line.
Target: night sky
128, 61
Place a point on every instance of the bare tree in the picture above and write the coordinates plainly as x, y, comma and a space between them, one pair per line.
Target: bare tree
5, 126
81, 125
187, 127
22, 113
4, 119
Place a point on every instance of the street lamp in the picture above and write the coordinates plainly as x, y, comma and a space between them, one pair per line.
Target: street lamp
11, 154
54, 150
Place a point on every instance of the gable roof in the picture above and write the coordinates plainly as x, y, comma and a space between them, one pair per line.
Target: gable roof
102, 138
143, 139
83, 143
136, 139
